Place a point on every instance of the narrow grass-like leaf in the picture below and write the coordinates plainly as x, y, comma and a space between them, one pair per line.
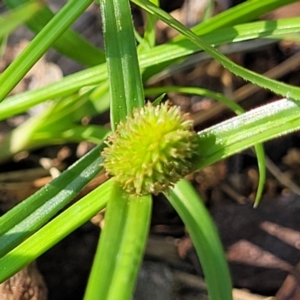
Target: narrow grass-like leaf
3, 41
280, 88
41, 129
55, 230
91, 133
157, 55
193, 213
38, 46
246, 11
13, 19
108, 247
122, 244
242, 13
209, 10
66, 86
149, 38
25, 218
131, 248
244, 131
123, 69
196, 91
261, 162
177, 49
69, 43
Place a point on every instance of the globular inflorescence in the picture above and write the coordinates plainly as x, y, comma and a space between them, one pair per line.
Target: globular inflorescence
151, 150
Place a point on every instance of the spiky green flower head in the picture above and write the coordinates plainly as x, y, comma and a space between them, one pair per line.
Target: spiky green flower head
151, 150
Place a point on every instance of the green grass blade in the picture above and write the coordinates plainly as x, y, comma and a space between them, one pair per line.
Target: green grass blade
76, 215
242, 13
92, 133
280, 88
149, 38
70, 110
247, 11
108, 246
261, 161
123, 69
193, 213
42, 129
65, 87
155, 56
120, 248
13, 19
69, 43
209, 10
177, 49
38, 46
244, 131
3, 42
25, 218
196, 91
131, 248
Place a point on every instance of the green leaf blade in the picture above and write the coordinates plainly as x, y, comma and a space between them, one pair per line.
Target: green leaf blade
13, 19
123, 69
260, 80
157, 55
120, 247
244, 131
244, 12
25, 218
38, 46
69, 44
108, 246
78, 214
192, 211
132, 248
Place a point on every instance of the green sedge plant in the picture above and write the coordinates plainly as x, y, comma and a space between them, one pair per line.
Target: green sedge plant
157, 137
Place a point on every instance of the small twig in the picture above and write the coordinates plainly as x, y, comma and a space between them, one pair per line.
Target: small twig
281, 177
232, 193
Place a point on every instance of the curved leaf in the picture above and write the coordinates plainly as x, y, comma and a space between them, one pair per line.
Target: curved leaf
193, 213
